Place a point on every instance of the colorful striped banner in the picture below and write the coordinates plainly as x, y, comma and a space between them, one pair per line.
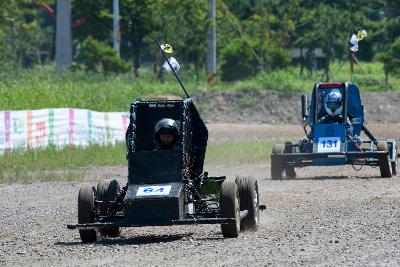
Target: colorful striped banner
7, 125
29, 141
71, 127
60, 127
51, 127
90, 127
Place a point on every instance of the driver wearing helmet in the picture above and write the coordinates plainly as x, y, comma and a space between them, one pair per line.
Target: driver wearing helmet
166, 134
333, 109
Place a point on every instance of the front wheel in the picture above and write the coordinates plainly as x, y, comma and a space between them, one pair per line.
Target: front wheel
385, 165
249, 200
230, 208
86, 213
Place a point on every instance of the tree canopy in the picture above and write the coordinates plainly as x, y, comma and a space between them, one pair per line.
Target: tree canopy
252, 36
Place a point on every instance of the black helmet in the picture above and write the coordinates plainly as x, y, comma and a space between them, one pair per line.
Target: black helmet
166, 126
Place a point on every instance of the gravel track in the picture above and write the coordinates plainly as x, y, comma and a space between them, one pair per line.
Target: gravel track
326, 216
333, 219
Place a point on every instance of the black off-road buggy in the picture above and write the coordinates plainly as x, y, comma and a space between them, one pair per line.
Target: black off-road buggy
167, 187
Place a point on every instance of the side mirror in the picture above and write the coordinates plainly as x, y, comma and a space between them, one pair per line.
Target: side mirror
304, 106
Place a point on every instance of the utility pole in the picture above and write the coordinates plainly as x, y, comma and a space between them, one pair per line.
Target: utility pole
63, 35
212, 44
116, 25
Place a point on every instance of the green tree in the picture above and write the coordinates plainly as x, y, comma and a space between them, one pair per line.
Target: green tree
183, 23
21, 33
137, 22
329, 34
264, 34
99, 19
99, 57
303, 39
391, 59
237, 61
386, 37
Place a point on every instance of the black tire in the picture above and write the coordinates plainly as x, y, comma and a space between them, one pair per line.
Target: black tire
230, 208
394, 167
385, 165
86, 213
107, 190
250, 201
394, 163
277, 165
290, 172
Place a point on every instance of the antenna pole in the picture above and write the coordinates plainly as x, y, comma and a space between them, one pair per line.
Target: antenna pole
169, 63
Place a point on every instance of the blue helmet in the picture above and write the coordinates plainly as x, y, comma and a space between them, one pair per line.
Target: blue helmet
333, 103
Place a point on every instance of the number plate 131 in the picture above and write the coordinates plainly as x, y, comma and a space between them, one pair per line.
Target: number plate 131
329, 144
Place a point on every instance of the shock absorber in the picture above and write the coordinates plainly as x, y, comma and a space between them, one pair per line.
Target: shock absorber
368, 133
197, 196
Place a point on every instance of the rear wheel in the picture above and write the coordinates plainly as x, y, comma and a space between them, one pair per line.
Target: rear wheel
230, 208
290, 172
385, 165
107, 191
86, 213
249, 200
277, 164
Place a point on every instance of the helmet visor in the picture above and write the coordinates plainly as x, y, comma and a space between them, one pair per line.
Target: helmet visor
168, 130
333, 105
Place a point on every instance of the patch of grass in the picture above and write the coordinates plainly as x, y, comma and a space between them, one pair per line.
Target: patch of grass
238, 153
69, 164
288, 80
247, 101
57, 164
43, 88
65, 175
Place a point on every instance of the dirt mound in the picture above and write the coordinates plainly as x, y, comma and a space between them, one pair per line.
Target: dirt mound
279, 108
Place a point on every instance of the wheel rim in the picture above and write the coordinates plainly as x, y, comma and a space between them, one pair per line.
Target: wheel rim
256, 206
237, 211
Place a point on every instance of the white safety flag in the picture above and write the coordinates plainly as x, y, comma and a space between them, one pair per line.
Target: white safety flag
353, 43
355, 38
174, 63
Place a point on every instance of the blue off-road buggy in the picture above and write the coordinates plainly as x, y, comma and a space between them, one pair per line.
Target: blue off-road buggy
167, 187
329, 144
